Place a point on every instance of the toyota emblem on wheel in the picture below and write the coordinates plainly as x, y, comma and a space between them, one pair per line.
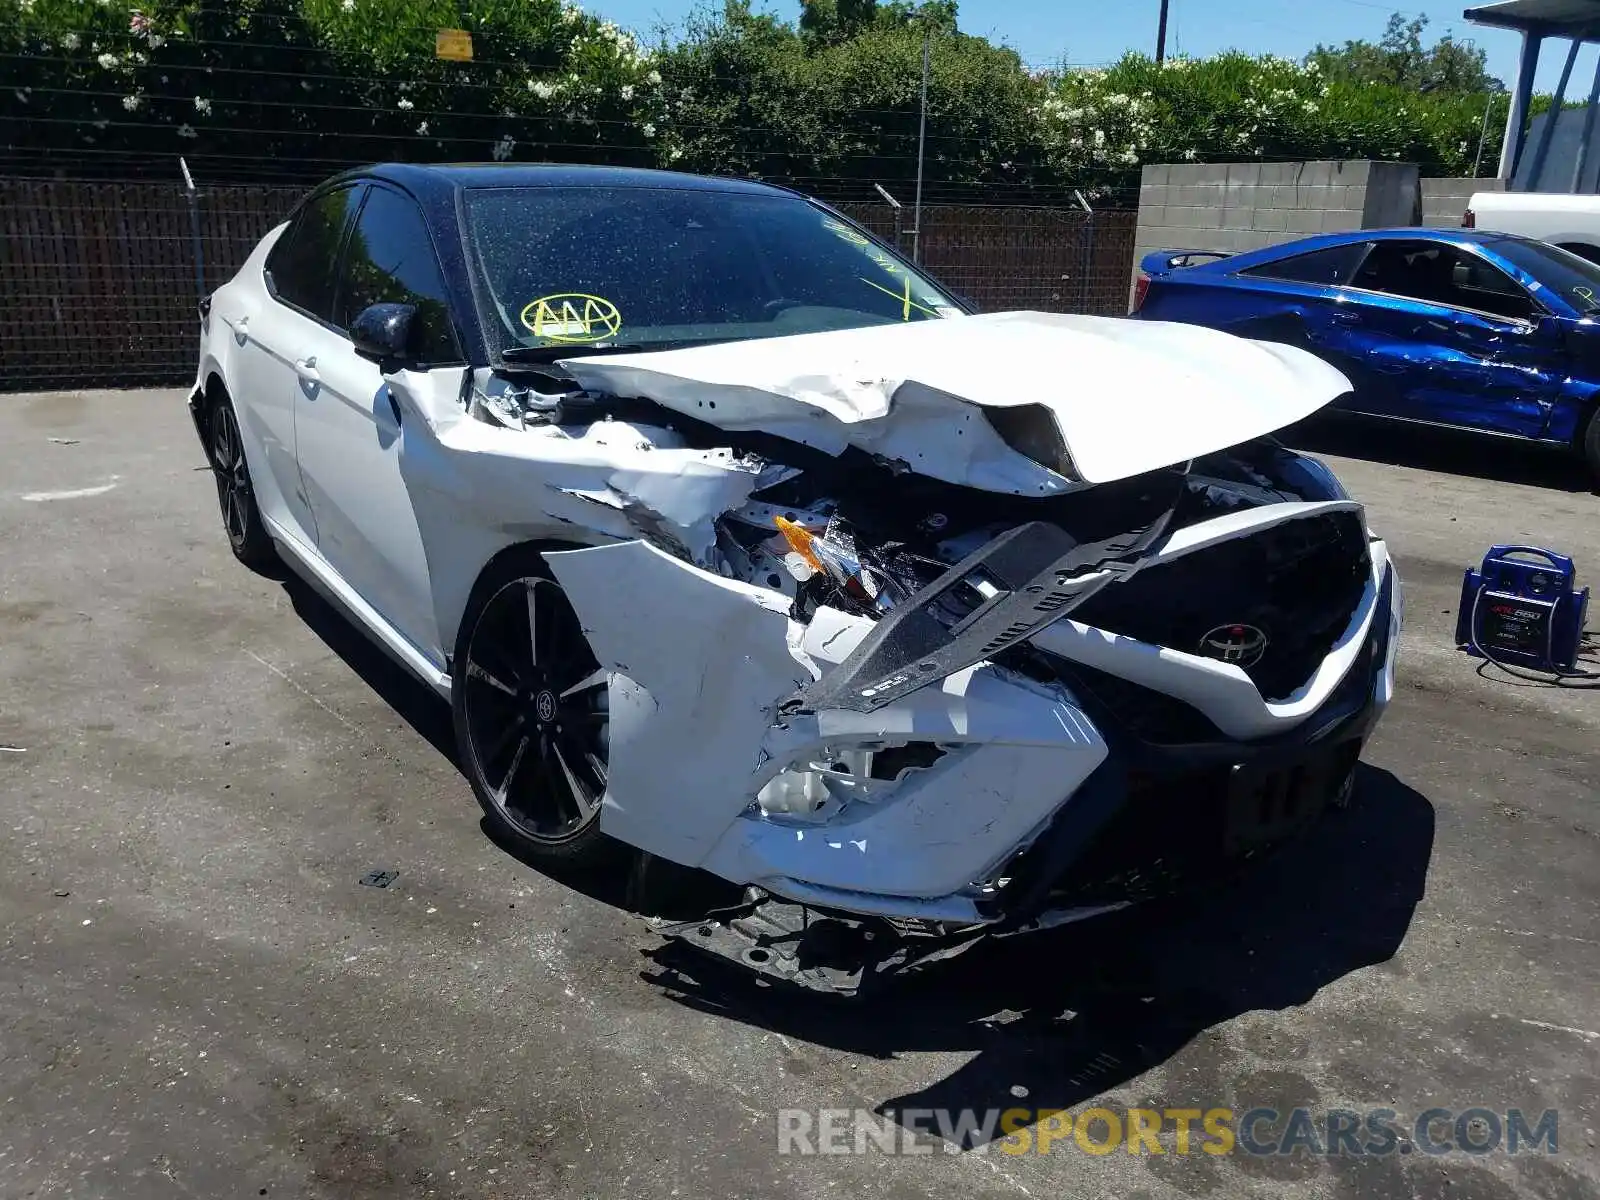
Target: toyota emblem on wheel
1241, 645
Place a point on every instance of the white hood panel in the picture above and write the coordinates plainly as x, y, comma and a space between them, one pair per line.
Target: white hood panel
1128, 396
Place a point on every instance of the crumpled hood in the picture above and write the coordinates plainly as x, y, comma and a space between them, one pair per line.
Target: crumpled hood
1127, 396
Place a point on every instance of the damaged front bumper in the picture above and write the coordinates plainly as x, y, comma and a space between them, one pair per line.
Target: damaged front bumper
1149, 821
993, 800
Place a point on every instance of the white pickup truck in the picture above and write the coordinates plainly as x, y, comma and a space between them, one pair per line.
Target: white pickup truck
1569, 221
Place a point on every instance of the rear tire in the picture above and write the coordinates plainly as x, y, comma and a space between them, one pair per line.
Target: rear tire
241, 516
528, 699
1589, 445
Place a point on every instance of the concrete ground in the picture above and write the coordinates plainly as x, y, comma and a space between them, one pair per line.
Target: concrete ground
197, 998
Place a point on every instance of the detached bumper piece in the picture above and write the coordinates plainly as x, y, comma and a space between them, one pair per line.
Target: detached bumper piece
1014, 586
816, 950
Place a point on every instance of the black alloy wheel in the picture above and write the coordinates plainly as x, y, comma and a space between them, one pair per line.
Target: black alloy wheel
530, 703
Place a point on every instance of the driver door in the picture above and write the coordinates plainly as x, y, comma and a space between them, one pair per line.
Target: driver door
350, 425
1447, 337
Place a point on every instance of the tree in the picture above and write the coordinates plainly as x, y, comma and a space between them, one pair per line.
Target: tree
1400, 60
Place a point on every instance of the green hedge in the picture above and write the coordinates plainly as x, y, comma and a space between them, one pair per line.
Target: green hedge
264, 88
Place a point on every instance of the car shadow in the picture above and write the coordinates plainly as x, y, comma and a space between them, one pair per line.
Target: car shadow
416, 704
1058, 1018
1448, 451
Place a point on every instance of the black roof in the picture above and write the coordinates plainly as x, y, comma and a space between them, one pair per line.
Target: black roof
437, 180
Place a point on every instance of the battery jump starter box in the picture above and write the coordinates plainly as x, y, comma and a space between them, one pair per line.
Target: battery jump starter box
1522, 606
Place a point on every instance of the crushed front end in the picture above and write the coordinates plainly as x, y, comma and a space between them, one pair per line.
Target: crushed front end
917, 638
906, 714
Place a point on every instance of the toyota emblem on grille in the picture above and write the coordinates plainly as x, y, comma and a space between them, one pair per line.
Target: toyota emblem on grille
1241, 645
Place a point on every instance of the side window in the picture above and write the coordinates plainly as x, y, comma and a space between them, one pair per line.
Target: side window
301, 267
1327, 268
1443, 275
390, 260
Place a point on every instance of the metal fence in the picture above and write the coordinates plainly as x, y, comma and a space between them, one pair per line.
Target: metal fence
98, 279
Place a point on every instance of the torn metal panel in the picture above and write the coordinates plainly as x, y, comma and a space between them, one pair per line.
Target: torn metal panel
698, 664
1011, 748
1124, 396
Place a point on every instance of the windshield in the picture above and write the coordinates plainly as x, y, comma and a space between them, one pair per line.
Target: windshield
1576, 280
592, 266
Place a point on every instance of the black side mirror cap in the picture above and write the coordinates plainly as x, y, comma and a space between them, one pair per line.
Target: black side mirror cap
383, 332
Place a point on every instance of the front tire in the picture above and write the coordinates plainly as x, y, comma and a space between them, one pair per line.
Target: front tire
529, 703
241, 516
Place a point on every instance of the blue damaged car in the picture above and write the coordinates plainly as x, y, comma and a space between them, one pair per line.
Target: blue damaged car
1465, 328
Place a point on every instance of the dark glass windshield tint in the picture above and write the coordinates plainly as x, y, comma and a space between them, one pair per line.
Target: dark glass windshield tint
621, 266
391, 260
302, 264
1576, 280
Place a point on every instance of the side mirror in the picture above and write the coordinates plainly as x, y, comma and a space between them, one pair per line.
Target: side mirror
383, 332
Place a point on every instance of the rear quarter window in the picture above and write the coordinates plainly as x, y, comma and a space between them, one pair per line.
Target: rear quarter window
1331, 267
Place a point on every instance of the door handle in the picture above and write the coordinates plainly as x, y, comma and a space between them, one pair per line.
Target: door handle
306, 368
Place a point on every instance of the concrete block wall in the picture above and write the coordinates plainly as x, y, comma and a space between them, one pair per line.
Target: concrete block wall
1244, 206
1445, 199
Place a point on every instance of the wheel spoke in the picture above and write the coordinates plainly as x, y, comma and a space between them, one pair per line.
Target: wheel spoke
512, 729
580, 796
594, 679
589, 763
511, 771
476, 670
531, 586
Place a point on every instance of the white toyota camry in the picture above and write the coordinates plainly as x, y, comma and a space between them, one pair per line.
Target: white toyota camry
733, 538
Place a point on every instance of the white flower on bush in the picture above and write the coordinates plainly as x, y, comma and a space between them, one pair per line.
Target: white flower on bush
71, 41
108, 61
422, 128
1129, 156
1099, 138
648, 129
504, 148
131, 103
627, 91
187, 131
405, 105
348, 5
571, 14
1190, 155
202, 106
541, 89
156, 41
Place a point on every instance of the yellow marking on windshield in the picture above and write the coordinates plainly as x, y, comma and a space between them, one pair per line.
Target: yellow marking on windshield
571, 318
844, 231
1584, 293
907, 303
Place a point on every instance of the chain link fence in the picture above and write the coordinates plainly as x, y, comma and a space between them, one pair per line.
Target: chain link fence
100, 279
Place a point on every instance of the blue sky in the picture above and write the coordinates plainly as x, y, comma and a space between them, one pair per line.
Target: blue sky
1096, 31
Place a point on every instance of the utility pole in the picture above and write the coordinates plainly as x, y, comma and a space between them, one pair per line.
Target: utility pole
1161, 33
922, 138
